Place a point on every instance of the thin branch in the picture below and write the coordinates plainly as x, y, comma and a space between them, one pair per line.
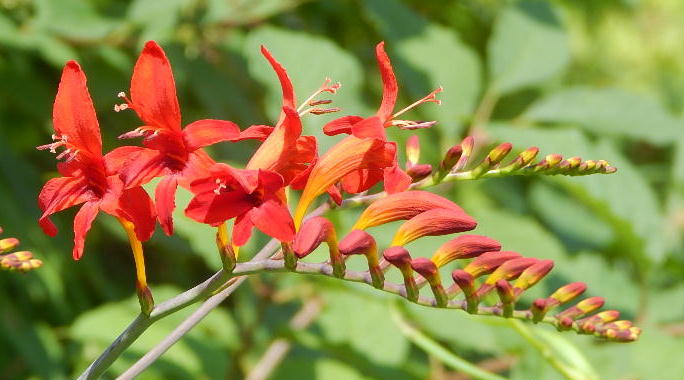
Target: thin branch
279, 348
430, 346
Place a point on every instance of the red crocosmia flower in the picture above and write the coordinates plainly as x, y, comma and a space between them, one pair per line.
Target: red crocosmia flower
171, 152
254, 197
285, 150
395, 179
89, 178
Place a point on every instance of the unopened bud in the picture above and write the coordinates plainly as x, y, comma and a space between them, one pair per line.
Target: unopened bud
466, 282
451, 158
430, 272
400, 258
532, 275
584, 307
506, 271
359, 242
434, 222
507, 297
464, 247
489, 261
499, 153
412, 151
311, 234
418, 172
8, 244
467, 146
567, 293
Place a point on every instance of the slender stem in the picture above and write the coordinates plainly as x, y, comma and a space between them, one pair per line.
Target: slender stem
545, 351
151, 356
431, 347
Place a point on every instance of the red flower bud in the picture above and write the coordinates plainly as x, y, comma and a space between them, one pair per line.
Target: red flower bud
464, 247
532, 275
8, 244
489, 261
313, 232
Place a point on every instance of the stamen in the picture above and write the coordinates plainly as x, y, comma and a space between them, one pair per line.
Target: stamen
220, 186
58, 142
124, 106
429, 98
409, 124
319, 102
321, 111
133, 134
325, 87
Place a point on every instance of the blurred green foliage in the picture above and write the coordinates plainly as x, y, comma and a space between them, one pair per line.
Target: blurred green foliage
599, 79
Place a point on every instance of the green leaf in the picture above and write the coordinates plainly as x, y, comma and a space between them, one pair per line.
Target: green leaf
609, 112
635, 214
158, 19
309, 60
527, 47
73, 19
428, 56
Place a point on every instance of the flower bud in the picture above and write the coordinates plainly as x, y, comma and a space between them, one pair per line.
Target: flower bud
466, 282
464, 247
359, 242
418, 172
450, 158
433, 223
583, 307
497, 154
507, 297
506, 271
412, 151
430, 272
489, 261
549, 162
590, 323
400, 258
311, 234
523, 159
22, 261
402, 206
566, 293
532, 275
8, 244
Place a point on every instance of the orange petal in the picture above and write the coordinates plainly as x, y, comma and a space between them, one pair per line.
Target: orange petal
433, 223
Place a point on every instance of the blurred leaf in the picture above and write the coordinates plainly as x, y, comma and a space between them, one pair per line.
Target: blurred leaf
438, 57
527, 47
367, 329
309, 59
202, 352
240, 12
634, 214
609, 112
158, 19
312, 365
73, 19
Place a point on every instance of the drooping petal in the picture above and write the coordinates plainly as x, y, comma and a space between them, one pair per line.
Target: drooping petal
341, 125
396, 180
165, 199
145, 165
206, 132
153, 89
58, 194
433, 223
389, 83
137, 207
289, 99
361, 180
117, 158
198, 165
402, 206
242, 229
255, 132
73, 114
348, 155
82, 222
214, 209
274, 219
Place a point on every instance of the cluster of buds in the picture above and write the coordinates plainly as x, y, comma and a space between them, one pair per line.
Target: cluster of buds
491, 282
458, 157
21, 261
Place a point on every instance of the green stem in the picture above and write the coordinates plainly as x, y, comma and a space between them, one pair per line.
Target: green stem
433, 348
545, 351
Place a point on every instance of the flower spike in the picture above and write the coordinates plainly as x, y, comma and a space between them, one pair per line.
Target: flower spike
22, 261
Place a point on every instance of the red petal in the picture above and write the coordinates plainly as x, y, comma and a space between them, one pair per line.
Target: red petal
285, 82
58, 194
274, 219
82, 222
370, 127
256, 132
361, 180
389, 83
117, 158
153, 89
341, 125
198, 165
242, 229
146, 165
209, 131
165, 198
335, 194
137, 207
73, 114
214, 209
396, 180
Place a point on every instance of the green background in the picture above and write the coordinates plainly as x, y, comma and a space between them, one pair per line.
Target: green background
599, 79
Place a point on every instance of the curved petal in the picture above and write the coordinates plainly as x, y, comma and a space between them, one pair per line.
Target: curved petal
58, 194
137, 207
289, 98
73, 114
214, 209
206, 132
117, 158
165, 199
361, 180
242, 229
82, 222
143, 167
198, 165
389, 83
341, 125
369, 127
274, 219
396, 180
255, 132
153, 90
276, 150
433, 223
